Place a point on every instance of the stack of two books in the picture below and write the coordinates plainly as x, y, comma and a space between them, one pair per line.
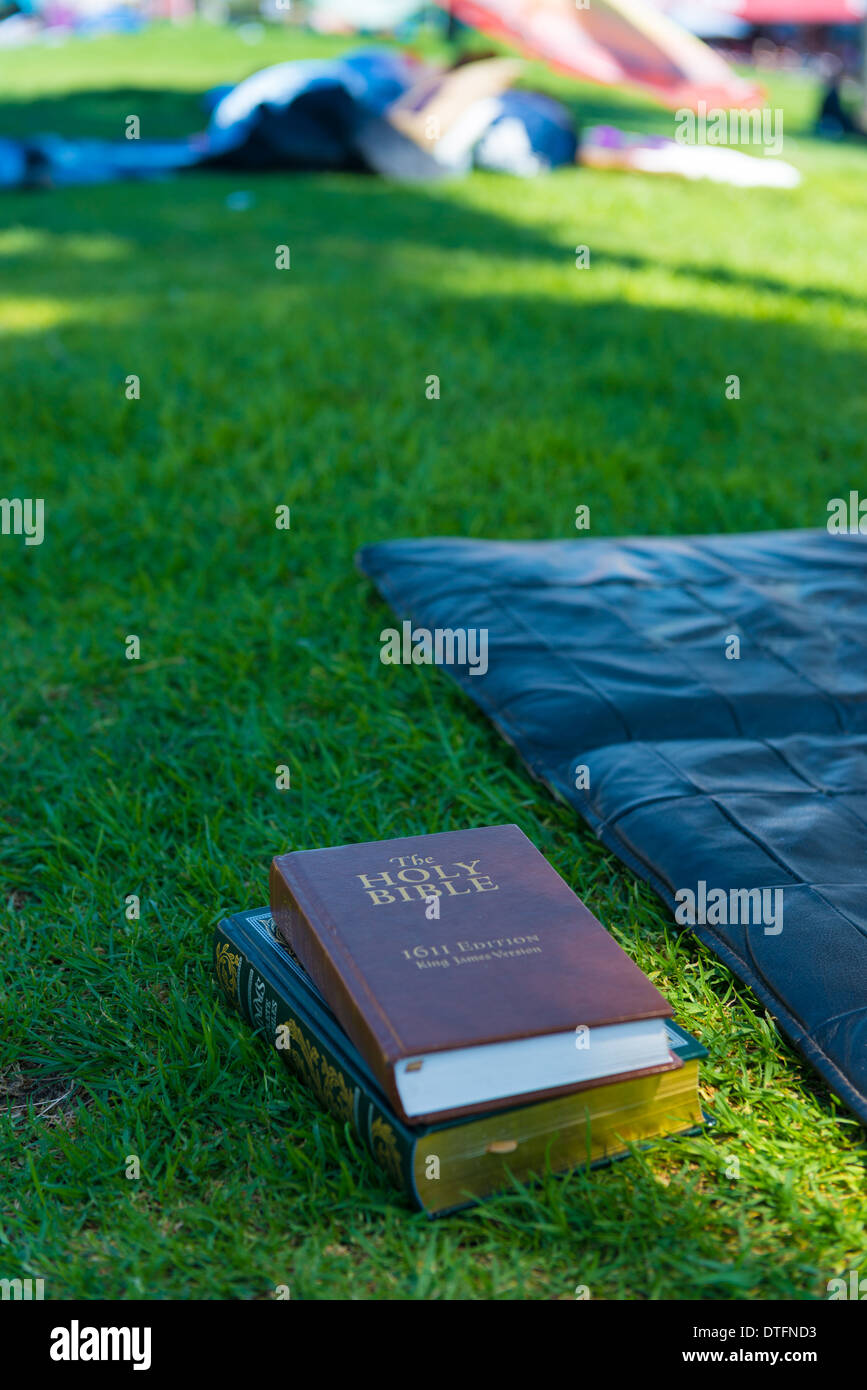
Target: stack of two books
451, 999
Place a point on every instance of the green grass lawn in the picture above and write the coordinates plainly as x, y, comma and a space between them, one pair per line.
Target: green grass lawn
260, 647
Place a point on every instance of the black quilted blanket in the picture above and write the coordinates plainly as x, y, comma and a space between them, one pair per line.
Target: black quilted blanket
703, 703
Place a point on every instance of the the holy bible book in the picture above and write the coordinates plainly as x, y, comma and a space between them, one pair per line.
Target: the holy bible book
466, 972
442, 1166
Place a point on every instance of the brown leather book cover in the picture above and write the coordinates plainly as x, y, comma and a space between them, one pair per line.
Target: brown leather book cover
513, 952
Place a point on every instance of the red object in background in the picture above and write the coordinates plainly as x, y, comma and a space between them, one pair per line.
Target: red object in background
795, 11
614, 42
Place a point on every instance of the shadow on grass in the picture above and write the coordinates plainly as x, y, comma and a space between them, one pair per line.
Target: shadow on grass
395, 282
716, 274
368, 211
101, 114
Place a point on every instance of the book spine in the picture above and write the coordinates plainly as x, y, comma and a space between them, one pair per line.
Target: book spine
310, 1058
292, 919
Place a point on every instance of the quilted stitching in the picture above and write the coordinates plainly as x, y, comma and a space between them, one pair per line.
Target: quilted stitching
744, 773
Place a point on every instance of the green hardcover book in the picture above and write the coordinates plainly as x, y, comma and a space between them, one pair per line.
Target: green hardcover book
442, 1167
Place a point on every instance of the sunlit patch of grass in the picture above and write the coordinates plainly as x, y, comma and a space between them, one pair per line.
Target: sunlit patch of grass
19, 242
34, 315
